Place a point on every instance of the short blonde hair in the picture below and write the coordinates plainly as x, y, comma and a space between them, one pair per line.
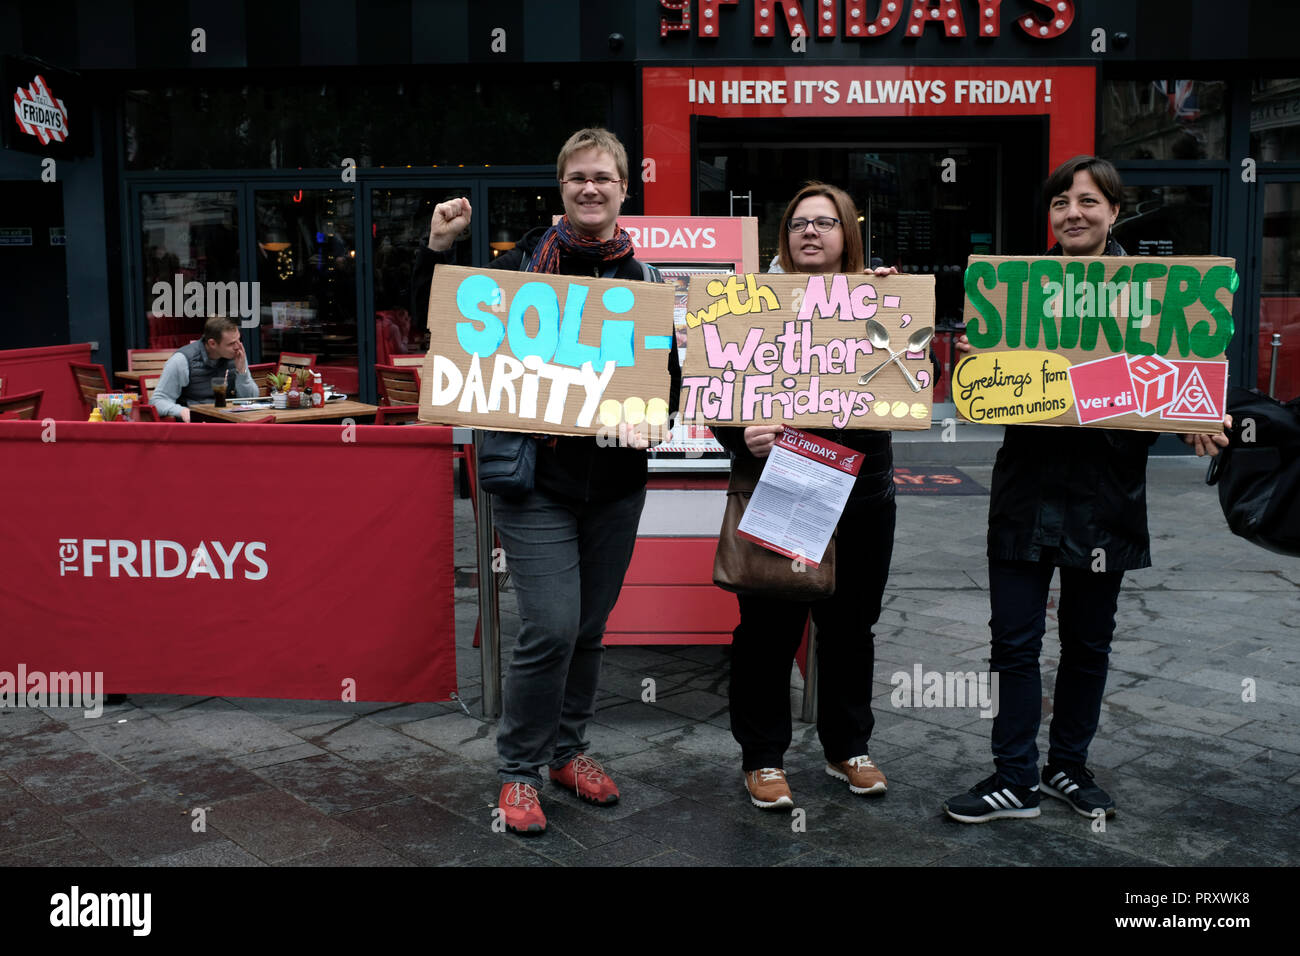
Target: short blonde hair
593, 138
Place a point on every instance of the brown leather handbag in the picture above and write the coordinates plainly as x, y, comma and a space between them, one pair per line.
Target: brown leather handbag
745, 568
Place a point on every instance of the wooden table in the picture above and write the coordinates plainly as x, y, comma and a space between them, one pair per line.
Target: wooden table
136, 376
330, 412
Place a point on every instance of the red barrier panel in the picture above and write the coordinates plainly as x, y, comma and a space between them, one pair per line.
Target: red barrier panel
25, 370
230, 560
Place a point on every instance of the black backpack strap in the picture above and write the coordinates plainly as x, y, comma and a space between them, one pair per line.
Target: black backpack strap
649, 273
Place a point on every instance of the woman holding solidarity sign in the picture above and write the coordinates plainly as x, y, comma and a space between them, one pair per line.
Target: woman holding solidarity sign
819, 233
1073, 498
569, 541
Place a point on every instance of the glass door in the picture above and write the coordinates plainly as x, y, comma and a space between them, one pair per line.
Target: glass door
185, 237
399, 226
1278, 235
305, 248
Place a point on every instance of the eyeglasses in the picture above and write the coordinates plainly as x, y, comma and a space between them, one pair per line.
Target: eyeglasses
580, 181
822, 224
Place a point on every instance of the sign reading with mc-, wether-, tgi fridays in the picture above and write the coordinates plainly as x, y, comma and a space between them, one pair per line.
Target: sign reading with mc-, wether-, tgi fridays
812, 351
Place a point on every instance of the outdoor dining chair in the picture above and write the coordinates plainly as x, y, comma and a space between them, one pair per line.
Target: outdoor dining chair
398, 386
24, 407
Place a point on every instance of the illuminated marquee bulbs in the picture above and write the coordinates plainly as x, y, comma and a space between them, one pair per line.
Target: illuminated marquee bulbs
669, 26
947, 14
796, 25
709, 26
1062, 15
826, 22
856, 24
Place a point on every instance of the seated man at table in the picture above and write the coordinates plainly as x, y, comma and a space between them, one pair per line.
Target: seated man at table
187, 377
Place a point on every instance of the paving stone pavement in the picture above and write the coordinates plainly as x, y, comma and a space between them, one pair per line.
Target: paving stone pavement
1198, 741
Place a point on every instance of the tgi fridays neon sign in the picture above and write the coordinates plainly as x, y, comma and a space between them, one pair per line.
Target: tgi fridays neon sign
1042, 20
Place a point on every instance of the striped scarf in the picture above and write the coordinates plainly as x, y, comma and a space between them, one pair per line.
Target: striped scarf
563, 238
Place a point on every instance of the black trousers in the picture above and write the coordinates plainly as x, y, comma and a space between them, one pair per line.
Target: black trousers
1018, 592
765, 642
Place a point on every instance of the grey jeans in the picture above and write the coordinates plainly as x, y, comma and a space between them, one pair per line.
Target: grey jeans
566, 561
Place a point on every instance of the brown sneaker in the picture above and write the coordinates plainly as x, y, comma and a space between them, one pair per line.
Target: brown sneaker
860, 773
768, 789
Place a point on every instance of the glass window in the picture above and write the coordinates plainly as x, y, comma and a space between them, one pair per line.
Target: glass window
514, 210
401, 218
1275, 120
194, 235
1163, 119
910, 216
306, 265
1165, 220
1279, 302
420, 122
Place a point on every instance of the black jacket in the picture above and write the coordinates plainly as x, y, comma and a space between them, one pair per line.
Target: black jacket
573, 468
1063, 492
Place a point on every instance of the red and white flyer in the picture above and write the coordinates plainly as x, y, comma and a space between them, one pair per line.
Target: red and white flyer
800, 496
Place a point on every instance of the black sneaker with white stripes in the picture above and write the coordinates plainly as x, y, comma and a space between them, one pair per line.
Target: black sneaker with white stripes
1074, 785
991, 799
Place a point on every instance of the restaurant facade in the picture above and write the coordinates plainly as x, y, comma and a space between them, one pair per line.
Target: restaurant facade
302, 146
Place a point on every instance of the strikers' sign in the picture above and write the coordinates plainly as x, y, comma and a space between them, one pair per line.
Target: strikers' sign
561, 355
1116, 342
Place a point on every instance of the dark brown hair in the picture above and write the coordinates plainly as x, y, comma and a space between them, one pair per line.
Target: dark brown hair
217, 326
845, 211
1105, 175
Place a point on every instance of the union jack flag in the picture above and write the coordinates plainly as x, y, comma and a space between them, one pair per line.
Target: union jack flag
1181, 96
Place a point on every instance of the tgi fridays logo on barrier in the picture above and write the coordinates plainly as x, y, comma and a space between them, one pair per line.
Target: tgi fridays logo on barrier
127, 558
813, 351
1116, 342
560, 355
39, 113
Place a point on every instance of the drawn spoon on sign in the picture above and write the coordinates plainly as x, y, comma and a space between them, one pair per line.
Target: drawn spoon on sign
878, 335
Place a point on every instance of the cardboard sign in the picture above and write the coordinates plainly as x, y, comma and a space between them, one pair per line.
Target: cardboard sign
1115, 342
557, 355
782, 349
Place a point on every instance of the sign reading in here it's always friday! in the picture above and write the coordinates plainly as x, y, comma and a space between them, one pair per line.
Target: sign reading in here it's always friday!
791, 349
1133, 343
557, 355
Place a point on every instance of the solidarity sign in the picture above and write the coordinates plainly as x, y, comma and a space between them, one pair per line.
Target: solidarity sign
557, 355
813, 351
1133, 343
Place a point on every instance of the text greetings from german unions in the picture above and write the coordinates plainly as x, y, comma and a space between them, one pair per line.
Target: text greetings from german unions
559, 355
792, 350
1131, 342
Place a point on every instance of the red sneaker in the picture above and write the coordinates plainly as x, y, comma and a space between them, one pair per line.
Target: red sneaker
523, 811
587, 779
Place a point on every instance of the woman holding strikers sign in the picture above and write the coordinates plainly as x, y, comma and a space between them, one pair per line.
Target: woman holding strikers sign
568, 542
819, 233
1068, 498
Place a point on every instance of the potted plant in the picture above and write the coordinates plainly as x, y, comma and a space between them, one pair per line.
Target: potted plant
110, 410
278, 383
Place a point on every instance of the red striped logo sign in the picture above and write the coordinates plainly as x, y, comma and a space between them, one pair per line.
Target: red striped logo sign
38, 113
